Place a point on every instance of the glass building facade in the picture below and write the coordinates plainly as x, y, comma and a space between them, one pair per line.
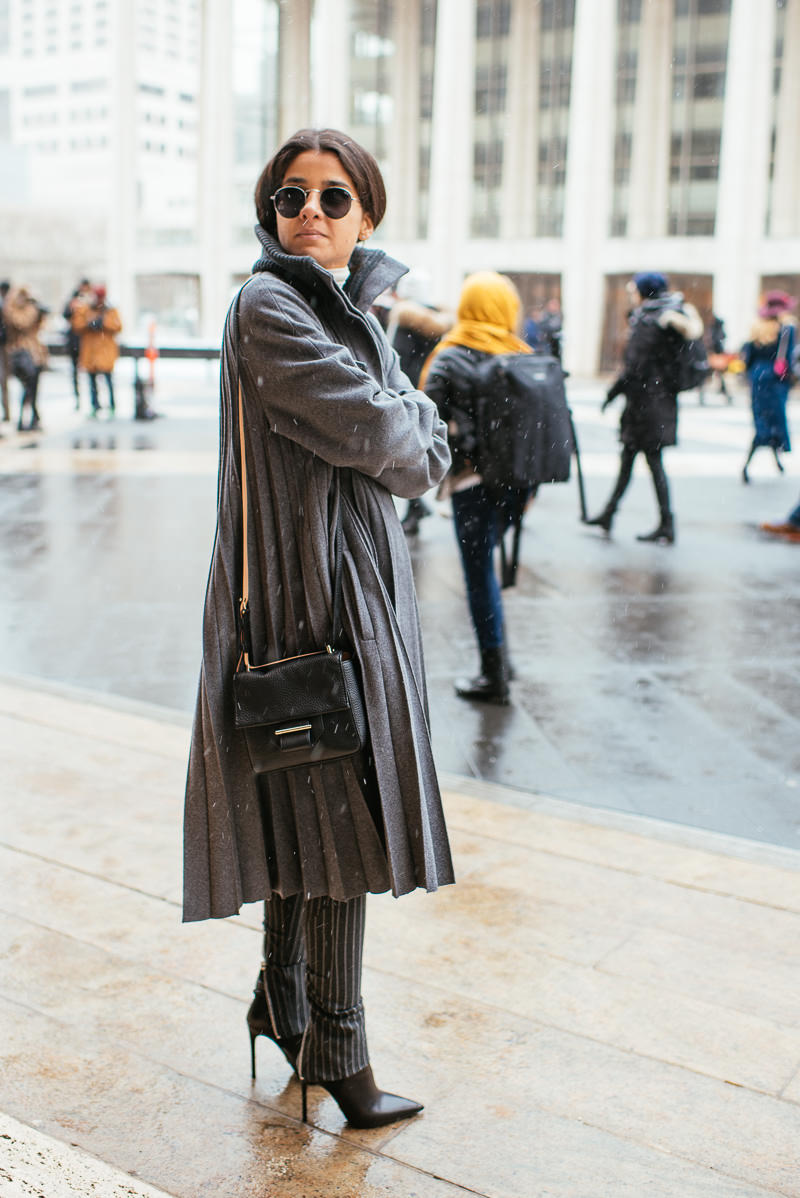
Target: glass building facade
254, 78
629, 13
492, 30
699, 59
555, 79
390, 82
569, 139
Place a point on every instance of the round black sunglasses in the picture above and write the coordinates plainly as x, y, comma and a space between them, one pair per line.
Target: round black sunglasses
289, 202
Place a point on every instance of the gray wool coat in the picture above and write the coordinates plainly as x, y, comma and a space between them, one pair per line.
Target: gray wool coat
321, 389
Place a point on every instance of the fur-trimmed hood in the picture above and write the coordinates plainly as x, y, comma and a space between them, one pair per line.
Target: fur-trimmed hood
673, 311
428, 322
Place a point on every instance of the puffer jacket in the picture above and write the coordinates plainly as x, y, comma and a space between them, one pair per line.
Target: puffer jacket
97, 327
649, 420
23, 319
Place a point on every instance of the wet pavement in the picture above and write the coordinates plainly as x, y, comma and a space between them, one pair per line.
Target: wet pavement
604, 1006
651, 680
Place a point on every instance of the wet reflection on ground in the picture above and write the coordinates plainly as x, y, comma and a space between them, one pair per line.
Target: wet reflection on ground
649, 679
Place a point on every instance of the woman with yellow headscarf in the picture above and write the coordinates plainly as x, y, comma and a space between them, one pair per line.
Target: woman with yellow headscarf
488, 315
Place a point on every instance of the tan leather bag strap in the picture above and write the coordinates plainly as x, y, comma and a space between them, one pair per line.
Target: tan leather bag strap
243, 460
244, 616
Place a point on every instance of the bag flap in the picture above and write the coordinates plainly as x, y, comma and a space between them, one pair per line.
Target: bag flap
294, 689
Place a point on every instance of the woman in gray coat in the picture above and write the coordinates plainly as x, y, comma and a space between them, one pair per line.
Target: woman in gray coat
330, 422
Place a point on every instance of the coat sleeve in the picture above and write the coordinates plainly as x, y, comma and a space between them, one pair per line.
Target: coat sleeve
314, 391
111, 321
80, 318
449, 385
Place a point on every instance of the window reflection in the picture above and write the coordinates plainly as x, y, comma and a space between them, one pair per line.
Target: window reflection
392, 47
555, 82
699, 59
255, 102
629, 14
783, 198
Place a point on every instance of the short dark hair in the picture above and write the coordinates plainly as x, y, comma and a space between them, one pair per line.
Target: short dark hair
357, 162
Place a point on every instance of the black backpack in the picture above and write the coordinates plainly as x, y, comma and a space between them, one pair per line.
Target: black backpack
524, 434
690, 369
524, 429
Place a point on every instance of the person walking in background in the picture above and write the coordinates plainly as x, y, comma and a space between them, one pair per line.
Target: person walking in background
97, 323
23, 318
551, 328
413, 330
81, 294
487, 320
5, 287
768, 357
331, 430
660, 322
717, 358
530, 328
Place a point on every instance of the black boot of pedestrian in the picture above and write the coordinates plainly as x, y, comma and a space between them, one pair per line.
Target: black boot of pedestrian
491, 685
663, 535
417, 510
604, 520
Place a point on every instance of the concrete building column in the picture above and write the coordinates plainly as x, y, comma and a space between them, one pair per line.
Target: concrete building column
785, 216
588, 186
743, 182
330, 63
403, 181
215, 165
294, 70
520, 163
122, 213
649, 186
451, 150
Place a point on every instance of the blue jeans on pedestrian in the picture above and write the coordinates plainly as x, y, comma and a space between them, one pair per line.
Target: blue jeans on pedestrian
480, 521
794, 517
93, 389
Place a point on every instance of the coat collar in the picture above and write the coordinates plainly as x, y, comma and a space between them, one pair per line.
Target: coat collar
371, 271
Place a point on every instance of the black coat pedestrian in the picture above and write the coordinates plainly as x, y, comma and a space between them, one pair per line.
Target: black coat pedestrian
657, 328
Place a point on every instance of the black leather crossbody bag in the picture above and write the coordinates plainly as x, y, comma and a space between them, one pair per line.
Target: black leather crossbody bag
297, 711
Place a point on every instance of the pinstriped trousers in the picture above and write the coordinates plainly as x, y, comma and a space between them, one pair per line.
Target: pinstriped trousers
313, 954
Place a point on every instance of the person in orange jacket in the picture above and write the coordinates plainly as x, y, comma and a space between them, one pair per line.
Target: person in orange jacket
98, 324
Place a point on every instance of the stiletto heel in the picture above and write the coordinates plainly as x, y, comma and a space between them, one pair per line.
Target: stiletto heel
362, 1103
304, 1093
259, 1024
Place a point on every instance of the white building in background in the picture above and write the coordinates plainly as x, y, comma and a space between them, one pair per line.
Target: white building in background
567, 142
99, 129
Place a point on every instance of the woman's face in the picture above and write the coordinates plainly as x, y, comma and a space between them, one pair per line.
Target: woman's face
329, 242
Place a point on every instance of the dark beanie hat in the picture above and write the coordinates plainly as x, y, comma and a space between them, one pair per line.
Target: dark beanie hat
650, 284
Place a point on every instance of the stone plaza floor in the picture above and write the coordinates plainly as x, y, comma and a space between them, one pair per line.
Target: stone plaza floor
606, 1004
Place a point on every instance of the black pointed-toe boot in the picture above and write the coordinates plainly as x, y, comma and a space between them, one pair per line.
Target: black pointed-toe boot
259, 1024
491, 685
362, 1103
663, 535
604, 520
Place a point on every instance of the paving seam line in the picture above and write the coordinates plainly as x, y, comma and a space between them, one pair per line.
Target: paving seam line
720, 843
